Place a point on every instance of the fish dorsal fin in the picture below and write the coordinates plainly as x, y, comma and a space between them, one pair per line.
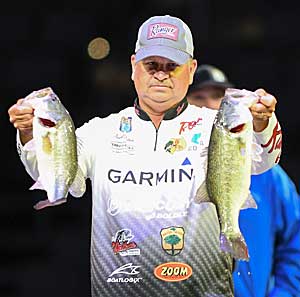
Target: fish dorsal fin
78, 186
249, 203
202, 194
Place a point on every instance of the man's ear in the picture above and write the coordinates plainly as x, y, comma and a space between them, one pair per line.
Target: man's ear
132, 59
193, 67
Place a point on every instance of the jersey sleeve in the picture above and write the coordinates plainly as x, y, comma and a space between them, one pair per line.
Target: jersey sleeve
86, 145
28, 157
270, 140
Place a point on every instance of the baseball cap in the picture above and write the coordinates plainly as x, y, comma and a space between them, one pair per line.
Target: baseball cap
208, 75
165, 36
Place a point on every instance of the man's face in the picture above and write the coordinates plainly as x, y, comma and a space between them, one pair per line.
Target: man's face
210, 97
160, 83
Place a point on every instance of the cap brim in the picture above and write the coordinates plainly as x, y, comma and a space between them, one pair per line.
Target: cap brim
171, 53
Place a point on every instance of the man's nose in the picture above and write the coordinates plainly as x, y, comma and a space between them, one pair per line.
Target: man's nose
161, 75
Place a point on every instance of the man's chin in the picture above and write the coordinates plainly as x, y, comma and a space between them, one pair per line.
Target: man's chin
160, 97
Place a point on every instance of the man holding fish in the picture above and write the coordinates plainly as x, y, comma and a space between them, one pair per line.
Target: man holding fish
272, 231
151, 233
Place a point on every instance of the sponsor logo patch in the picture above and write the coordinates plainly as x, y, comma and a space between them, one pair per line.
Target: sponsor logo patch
275, 141
121, 144
172, 240
128, 274
189, 125
125, 124
173, 271
150, 178
186, 162
123, 245
162, 30
196, 137
175, 145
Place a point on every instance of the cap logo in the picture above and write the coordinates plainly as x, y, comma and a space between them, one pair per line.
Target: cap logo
163, 30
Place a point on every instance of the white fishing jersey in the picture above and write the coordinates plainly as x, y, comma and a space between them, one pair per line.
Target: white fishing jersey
149, 236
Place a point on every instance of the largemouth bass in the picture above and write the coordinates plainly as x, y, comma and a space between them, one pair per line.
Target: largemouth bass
230, 154
55, 147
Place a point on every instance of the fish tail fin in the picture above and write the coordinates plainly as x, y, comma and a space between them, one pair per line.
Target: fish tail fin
236, 246
45, 203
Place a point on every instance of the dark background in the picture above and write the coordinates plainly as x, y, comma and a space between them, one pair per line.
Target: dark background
256, 43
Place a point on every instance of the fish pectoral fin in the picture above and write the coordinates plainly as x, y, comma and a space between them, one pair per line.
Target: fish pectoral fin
249, 203
78, 187
47, 145
37, 186
202, 194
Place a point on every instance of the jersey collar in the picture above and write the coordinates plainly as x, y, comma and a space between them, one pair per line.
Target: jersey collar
170, 114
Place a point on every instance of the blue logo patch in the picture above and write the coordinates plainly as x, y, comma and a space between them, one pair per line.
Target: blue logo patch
125, 124
195, 138
186, 162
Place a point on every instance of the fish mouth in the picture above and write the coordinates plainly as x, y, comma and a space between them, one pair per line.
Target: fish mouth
237, 128
47, 123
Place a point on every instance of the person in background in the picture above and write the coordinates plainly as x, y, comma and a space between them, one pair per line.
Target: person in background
272, 231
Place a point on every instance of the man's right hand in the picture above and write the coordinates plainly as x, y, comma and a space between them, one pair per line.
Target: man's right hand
21, 117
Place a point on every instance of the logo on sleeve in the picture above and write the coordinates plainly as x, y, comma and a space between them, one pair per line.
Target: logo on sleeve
275, 141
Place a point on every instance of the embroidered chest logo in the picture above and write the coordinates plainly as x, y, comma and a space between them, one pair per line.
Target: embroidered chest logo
195, 138
196, 142
175, 145
122, 243
189, 125
172, 240
125, 124
122, 142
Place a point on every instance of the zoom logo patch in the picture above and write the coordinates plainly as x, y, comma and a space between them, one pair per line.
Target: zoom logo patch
173, 271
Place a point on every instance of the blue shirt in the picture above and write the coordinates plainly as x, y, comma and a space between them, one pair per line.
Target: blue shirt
272, 233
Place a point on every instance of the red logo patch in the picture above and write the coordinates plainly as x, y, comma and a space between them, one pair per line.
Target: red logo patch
275, 141
189, 125
162, 30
